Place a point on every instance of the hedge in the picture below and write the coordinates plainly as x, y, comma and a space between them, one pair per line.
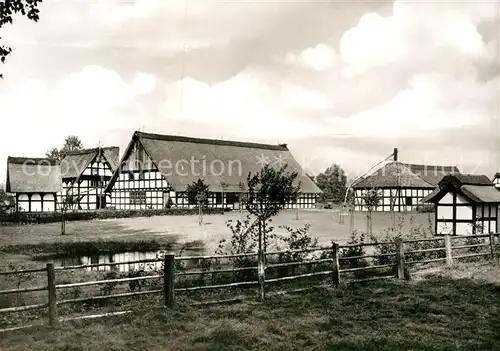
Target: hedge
21, 217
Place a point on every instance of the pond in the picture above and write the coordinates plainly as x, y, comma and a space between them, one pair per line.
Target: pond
123, 257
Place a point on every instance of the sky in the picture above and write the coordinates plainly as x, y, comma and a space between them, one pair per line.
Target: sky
338, 81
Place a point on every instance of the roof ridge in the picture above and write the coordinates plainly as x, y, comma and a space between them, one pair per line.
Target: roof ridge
186, 139
430, 166
88, 151
36, 160
410, 171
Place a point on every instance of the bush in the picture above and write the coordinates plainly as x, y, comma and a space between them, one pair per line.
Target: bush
426, 208
21, 217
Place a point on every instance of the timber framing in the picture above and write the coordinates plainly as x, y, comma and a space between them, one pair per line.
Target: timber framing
155, 171
85, 175
465, 205
34, 183
401, 186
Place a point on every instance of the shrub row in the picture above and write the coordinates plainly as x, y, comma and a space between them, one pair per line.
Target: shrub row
21, 217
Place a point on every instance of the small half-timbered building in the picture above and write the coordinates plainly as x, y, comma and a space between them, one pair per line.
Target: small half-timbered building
465, 205
34, 182
85, 175
155, 171
401, 186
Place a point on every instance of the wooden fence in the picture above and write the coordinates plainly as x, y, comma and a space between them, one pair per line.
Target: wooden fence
397, 258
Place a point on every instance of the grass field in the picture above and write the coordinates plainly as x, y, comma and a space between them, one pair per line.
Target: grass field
185, 229
442, 310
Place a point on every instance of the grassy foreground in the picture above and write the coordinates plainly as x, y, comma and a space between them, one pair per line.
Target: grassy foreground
442, 310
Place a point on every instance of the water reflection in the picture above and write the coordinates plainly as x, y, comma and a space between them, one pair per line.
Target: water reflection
124, 257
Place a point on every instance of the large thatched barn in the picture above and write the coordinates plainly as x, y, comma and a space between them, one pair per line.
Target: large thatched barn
35, 183
155, 171
401, 186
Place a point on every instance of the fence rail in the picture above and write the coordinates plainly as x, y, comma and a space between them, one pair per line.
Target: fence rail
399, 258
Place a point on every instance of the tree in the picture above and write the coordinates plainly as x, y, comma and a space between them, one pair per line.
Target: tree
371, 200
196, 190
3, 197
197, 193
3, 194
8, 8
333, 184
71, 143
268, 192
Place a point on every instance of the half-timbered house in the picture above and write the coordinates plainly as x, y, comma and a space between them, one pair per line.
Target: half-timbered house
34, 182
155, 171
465, 205
85, 175
401, 186
496, 181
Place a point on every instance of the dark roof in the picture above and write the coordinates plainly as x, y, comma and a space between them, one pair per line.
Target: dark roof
497, 175
32, 175
477, 188
406, 175
185, 139
75, 162
238, 159
432, 174
466, 179
480, 193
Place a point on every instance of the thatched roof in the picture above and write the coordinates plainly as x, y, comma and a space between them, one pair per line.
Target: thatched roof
33, 175
478, 188
397, 174
465, 179
432, 174
226, 162
75, 162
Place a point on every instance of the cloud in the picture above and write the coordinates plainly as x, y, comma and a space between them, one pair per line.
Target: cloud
319, 57
144, 83
90, 103
338, 82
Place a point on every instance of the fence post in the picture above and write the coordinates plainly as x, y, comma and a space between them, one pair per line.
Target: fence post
400, 255
351, 222
262, 273
447, 245
63, 223
168, 280
51, 284
492, 245
335, 264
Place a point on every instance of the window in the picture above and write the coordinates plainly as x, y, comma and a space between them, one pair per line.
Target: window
131, 176
218, 198
141, 176
138, 197
409, 201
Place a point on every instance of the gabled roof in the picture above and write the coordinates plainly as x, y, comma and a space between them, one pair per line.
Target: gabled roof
477, 188
75, 162
398, 174
432, 174
226, 161
465, 179
32, 175
496, 176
